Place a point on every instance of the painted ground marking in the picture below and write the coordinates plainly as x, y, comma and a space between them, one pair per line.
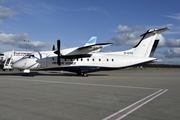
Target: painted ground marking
126, 111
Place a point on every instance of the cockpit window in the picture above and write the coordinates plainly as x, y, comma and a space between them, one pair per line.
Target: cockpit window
28, 56
1, 54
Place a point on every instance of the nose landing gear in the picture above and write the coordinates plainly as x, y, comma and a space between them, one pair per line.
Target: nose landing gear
26, 72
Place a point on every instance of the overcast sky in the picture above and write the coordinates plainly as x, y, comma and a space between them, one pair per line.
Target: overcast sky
37, 24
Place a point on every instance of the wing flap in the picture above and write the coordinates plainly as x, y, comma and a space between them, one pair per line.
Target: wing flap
94, 47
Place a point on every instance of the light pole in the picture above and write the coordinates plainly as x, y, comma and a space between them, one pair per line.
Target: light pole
26, 43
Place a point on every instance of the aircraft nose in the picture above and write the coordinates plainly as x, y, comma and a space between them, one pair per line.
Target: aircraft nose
17, 65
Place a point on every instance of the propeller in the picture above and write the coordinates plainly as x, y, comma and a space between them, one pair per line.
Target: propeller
58, 52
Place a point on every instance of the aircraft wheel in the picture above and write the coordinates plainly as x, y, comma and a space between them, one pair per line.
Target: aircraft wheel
85, 74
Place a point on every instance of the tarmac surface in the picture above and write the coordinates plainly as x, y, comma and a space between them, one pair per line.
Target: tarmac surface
149, 94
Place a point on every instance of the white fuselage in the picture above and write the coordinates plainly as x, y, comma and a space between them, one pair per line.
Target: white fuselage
48, 60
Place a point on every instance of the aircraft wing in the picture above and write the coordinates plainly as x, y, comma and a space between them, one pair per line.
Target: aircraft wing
85, 51
91, 48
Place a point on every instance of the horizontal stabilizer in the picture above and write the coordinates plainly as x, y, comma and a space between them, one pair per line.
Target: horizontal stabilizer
156, 31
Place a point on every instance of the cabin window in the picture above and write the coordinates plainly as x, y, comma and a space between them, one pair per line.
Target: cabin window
99, 60
112, 60
88, 59
77, 59
107, 60
93, 59
81, 59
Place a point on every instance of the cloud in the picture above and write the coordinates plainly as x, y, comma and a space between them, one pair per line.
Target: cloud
172, 53
91, 9
18, 41
126, 29
6, 13
170, 43
87, 9
174, 16
172, 48
125, 39
35, 45
162, 40
173, 42
12, 38
127, 35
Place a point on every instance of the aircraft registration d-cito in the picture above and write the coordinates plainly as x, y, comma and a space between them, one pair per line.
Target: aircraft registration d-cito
83, 60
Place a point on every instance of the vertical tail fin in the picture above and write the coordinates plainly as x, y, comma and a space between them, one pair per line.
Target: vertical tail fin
91, 41
148, 43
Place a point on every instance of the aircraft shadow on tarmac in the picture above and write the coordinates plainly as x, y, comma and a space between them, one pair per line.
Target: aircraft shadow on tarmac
36, 73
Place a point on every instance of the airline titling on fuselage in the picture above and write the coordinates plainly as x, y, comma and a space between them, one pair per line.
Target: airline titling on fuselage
10, 57
82, 60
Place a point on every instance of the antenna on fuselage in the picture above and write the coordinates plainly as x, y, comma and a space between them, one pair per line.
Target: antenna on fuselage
53, 48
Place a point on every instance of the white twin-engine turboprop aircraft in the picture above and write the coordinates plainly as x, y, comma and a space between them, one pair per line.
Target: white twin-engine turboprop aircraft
82, 60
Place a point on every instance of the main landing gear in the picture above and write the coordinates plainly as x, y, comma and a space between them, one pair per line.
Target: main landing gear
83, 74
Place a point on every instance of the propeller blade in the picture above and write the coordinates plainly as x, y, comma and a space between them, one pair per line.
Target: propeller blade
58, 52
58, 44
